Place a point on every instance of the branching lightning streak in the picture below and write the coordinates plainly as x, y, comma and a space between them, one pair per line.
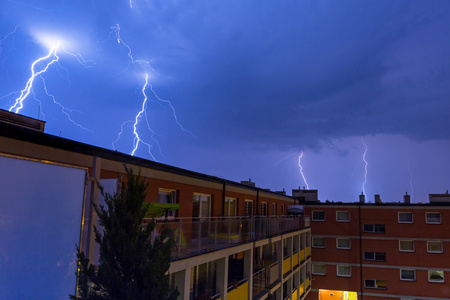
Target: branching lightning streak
3, 39
365, 166
146, 65
301, 170
18, 105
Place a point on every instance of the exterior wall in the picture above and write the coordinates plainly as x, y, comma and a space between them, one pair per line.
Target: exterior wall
420, 259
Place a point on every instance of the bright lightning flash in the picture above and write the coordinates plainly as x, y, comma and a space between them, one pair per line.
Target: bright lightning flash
147, 67
366, 164
301, 170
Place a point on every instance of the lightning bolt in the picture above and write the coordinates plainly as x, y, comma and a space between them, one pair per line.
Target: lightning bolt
301, 170
365, 166
4, 38
147, 67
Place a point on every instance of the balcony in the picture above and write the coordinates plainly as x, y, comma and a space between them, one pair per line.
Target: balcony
194, 236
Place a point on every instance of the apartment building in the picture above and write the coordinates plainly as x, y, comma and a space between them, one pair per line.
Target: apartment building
233, 240
380, 250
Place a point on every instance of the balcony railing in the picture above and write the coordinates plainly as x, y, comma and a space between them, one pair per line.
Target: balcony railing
194, 236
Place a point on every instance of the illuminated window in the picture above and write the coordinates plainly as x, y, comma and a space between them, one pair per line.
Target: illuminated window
375, 228
274, 209
318, 215
343, 216
319, 269
230, 207
342, 243
434, 247
408, 275
248, 209
201, 205
318, 242
433, 217
436, 276
377, 256
406, 246
264, 209
375, 284
344, 271
168, 196
405, 217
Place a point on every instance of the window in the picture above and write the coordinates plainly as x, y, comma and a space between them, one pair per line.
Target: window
274, 209
406, 246
230, 207
436, 276
377, 256
318, 242
343, 216
264, 210
248, 208
405, 217
376, 228
318, 269
434, 247
433, 217
342, 243
282, 210
409, 275
345, 271
168, 196
375, 284
318, 215
201, 205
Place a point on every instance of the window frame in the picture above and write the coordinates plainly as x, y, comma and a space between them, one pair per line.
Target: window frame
314, 271
432, 222
274, 209
264, 208
342, 220
442, 247
173, 198
375, 284
374, 228
319, 220
437, 281
406, 279
349, 243
247, 211
210, 200
375, 256
410, 251
344, 275
227, 211
315, 246
405, 222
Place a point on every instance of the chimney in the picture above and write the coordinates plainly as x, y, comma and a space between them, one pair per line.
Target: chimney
377, 199
407, 198
362, 198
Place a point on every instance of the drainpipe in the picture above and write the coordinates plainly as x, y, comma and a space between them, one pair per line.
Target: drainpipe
223, 198
360, 253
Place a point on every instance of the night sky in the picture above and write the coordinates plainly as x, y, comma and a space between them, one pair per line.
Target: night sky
239, 89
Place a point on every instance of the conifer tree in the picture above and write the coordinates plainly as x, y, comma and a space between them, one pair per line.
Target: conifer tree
133, 259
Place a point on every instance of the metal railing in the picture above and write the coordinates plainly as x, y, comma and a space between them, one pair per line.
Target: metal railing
259, 282
194, 236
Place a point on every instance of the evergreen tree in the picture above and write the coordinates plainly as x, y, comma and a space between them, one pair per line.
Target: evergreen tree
133, 260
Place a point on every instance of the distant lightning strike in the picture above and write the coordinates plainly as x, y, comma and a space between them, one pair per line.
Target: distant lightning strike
301, 170
146, 65
37, 70
365, 166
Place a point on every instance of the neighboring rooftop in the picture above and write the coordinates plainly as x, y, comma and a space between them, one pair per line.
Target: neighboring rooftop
21, 121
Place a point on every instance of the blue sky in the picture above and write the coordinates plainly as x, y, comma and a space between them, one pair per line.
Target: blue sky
252, 83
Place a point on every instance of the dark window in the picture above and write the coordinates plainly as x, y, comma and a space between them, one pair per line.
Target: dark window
377, 256
376, 228
318, 215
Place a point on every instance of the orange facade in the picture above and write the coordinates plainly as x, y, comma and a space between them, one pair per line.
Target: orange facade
382, 251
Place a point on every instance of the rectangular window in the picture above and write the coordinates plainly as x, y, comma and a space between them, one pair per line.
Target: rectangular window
264, 210
434, 247
282, 210
406, 246
433, 217
274, 209
343, 216
344, 271
409, 275
318, 242
405, 217
230, 207
318, 269
201, 205
248, 209
318, 215
375, 228
436, 276
342, 243
376, 256
375, 284
168, 196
